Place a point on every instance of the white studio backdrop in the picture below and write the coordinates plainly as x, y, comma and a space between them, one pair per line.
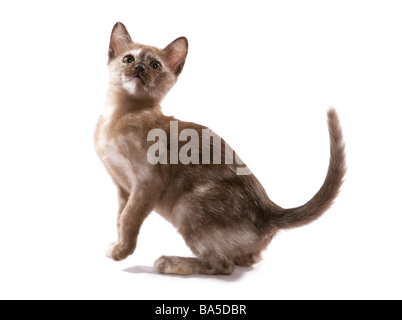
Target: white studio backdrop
261, 74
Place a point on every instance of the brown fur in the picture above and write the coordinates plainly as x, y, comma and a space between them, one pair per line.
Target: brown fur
226, 219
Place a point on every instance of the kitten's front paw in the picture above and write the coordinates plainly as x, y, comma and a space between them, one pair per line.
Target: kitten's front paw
109, 249
118, 252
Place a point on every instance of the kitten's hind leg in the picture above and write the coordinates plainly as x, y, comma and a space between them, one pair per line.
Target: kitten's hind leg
187, 266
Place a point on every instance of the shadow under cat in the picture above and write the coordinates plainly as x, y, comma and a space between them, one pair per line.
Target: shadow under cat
237, 274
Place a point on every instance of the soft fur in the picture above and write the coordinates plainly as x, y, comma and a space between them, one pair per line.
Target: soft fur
226, 219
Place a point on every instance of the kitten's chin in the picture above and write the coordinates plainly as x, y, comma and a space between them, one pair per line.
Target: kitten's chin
134, 85
135, 81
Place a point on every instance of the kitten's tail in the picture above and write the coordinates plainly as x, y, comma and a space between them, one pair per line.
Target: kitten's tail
323, 199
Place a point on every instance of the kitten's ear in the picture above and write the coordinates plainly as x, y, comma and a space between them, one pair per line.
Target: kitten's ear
176, 54
119, 40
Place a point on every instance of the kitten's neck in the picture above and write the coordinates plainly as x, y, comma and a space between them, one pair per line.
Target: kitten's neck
127, 103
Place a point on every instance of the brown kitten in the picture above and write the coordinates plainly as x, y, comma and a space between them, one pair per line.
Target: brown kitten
223, 214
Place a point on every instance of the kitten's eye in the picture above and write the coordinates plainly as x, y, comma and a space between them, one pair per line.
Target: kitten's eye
156, 65
128, 59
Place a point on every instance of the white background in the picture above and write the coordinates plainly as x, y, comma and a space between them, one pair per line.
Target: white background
262, 75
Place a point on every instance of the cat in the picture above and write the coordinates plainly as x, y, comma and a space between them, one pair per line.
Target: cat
225, 218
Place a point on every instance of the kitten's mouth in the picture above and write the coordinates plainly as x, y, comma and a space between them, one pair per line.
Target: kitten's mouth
138, 78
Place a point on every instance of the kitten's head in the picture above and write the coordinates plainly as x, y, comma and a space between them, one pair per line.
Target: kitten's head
144, 72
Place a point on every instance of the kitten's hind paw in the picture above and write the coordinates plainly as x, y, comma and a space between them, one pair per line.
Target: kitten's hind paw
170, 265
187, 266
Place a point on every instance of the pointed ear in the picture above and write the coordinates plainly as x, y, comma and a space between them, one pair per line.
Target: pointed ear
119, 40
176, 54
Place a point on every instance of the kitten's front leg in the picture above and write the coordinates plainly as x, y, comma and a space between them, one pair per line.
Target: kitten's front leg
139, 204
122, 201
122, 197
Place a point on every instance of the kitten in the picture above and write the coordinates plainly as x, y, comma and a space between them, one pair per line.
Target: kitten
225, 218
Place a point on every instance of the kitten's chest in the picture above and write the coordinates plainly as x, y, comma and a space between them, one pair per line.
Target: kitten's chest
115, 152
104, 138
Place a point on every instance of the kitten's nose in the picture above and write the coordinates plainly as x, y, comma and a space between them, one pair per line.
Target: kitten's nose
139, 67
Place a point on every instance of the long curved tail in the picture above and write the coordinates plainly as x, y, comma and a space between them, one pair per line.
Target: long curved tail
323, 199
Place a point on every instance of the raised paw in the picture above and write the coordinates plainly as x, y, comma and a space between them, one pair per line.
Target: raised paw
118, 252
